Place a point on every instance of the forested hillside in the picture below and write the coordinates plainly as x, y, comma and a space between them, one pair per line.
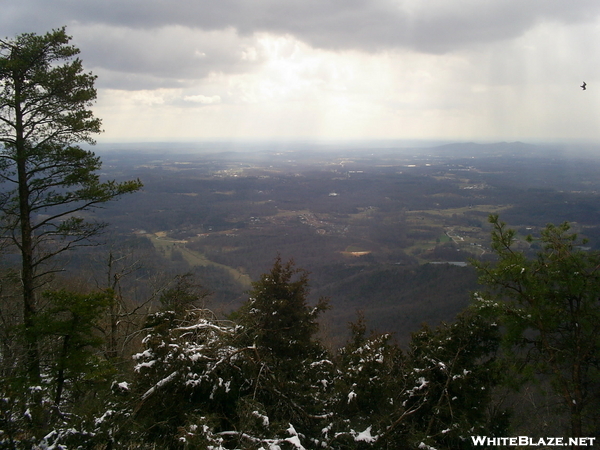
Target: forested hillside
180, 376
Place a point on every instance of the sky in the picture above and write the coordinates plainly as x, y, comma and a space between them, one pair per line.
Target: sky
476, 70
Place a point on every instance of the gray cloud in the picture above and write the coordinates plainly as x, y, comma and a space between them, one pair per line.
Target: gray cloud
369, 25
157, 43
163, 57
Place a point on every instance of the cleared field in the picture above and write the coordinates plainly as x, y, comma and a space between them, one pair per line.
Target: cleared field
166, 246
434, 215
292, 213
355, 249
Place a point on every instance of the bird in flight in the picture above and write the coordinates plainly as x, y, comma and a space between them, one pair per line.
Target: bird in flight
583, 86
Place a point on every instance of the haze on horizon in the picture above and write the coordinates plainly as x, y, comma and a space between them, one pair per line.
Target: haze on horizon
326, 69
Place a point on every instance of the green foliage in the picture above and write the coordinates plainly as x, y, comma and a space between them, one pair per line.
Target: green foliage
186, 372
292, 371
58, 409
277, 317
549, 307
66, 330
368, 387
47, 100
453, 371
436, 395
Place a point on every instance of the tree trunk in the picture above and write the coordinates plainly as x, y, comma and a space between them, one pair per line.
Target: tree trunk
60, 376
113, 312
26, 247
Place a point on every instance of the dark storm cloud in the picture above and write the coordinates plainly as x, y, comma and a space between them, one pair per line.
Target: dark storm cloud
435, 25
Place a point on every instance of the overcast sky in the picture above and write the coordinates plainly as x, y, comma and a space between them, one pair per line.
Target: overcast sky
333, 69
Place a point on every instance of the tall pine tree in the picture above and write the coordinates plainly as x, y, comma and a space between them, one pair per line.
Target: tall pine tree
45, 100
